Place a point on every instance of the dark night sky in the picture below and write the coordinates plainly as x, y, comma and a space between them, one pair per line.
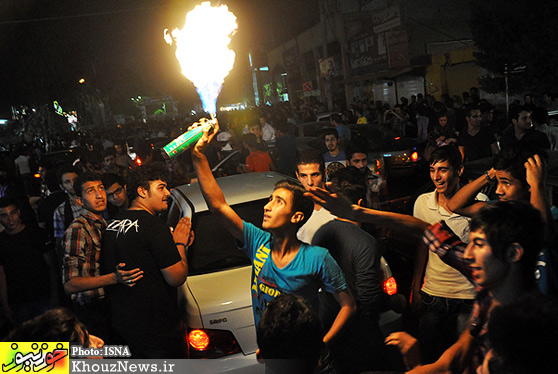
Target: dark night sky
118, 46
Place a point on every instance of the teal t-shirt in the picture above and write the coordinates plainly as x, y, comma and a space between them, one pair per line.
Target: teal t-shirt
311, 269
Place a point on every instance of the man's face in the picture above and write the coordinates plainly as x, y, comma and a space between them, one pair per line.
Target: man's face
118, 149
475, 118
487, 270
359, 161
523, 122
68, 183
262, 121
255, 130
331, 142
117, 195
10, 218
510, 188
109, 161
309, 175
93, 196
443, 121
444, 176
278, 210
157, 196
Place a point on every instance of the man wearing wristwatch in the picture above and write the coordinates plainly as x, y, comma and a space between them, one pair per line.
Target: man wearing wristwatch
145, 317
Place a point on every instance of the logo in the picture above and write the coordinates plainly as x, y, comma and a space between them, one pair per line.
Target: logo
35, 357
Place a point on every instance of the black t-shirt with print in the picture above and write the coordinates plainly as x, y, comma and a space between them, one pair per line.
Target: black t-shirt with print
145, 315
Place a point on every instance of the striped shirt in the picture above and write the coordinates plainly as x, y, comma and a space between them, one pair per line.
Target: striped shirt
82, 247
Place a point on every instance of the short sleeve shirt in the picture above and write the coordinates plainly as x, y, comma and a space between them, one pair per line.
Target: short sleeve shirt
311, 269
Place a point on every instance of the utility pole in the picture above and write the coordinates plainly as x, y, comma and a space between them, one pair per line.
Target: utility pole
324, 27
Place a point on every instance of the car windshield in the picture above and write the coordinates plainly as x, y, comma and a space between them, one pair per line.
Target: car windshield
214, 249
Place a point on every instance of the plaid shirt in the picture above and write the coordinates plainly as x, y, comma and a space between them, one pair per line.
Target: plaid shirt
58, 217
82, 247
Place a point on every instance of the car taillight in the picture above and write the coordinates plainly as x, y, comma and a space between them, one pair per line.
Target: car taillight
198, 340
414, 156
206, 343
390, 286
138, 161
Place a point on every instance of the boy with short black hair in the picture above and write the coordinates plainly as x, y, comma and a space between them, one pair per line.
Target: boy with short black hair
280, 262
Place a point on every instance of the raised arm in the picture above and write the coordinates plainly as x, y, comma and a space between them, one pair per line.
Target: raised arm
342, 207
463, 202
210, 189
536, 176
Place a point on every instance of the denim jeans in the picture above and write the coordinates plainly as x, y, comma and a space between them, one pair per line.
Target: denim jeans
442, 320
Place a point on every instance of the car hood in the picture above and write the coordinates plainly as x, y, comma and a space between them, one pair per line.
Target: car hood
223, 298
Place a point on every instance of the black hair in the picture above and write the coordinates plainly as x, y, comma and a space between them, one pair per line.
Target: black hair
111, 178
512, 159
336, 118
350, 182
55, 325
507, 222
447, 153
311, 156
522, 336
289, 329
515, 111
251, 140
353, 148
65, 170
469, 109
83, 178
301, 203
143, 175
6, 201
331, 132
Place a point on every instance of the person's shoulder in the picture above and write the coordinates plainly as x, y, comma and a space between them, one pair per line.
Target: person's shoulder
422, 199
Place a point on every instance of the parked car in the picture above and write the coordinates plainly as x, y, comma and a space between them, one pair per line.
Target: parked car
216, 300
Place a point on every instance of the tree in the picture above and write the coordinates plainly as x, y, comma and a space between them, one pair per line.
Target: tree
519, 34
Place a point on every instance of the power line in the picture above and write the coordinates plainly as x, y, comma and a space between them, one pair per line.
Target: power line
77, 16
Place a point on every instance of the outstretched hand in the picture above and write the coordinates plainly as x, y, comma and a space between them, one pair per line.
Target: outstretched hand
337, 204
210, 129
408, 346
127, 277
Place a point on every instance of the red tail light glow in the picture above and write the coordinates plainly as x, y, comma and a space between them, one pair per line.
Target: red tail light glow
138, 161
390, 286
207, 343
414, 156
198, 339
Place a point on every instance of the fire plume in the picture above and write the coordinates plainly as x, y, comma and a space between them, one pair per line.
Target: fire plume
202, 50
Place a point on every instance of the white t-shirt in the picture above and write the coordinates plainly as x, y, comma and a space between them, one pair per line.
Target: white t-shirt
22, 163
268, 132
442, 280
316, 220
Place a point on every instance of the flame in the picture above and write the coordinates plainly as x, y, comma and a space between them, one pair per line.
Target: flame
206, 28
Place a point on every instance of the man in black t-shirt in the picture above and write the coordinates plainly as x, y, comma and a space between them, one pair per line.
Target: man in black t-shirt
475, 141
145, 317
26, 266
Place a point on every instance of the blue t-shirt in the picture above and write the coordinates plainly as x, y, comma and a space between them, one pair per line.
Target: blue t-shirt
311, 269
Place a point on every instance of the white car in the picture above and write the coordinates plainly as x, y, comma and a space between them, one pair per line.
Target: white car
216, 300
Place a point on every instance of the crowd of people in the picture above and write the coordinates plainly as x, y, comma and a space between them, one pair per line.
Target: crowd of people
89, 238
